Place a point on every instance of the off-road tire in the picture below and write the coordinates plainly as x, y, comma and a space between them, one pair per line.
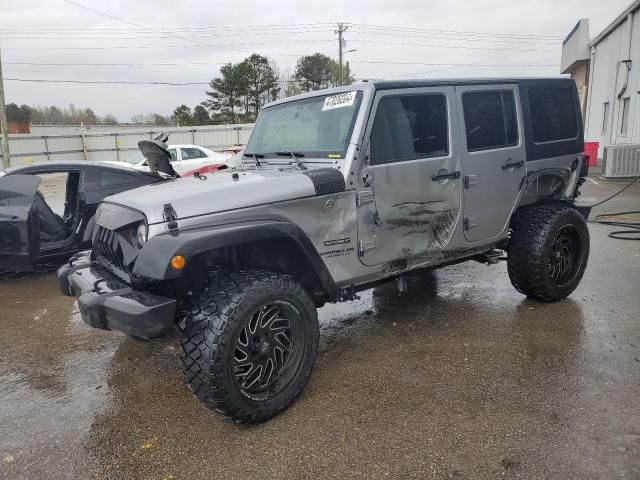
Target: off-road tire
531, 248
210, 332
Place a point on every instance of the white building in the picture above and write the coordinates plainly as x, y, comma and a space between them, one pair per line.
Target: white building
607, 72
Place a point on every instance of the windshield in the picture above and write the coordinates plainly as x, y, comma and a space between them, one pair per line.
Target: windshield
136, 159
314, 127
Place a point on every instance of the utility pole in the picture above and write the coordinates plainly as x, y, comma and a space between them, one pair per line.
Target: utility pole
6, 156
340, 31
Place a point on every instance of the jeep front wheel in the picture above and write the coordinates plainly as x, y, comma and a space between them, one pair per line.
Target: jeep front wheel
249, 344
548, 251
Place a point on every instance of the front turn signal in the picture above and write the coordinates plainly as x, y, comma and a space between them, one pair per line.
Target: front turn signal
178, 262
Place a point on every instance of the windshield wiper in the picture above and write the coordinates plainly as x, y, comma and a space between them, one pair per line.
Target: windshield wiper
255, 157
295, 155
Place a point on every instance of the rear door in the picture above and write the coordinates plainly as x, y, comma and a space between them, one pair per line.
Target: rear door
19, 227
493, 157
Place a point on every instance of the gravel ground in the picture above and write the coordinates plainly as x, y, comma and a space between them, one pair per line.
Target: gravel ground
461, 377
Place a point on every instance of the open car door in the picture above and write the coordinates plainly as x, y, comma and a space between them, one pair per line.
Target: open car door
19, 225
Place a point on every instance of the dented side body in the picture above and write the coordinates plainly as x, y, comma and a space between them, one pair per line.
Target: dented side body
362, 221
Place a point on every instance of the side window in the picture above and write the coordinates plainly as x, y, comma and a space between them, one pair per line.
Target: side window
553, 114
624, 120
172, 152
605, 116
191, 153
111, 179
409, 127
490, 120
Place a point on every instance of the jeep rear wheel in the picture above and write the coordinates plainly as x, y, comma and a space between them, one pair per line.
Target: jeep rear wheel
249, 344
548, 251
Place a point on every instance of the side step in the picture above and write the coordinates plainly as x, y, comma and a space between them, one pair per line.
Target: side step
491, 257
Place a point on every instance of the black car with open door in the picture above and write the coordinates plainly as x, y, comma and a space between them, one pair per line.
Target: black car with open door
47, 209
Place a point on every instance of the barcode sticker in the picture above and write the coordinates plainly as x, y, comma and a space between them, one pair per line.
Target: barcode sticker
340, 100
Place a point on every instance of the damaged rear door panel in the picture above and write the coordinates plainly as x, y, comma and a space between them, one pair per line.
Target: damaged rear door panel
19, 228
411, 201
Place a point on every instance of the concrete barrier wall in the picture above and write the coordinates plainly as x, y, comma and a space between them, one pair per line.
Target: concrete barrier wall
118, 145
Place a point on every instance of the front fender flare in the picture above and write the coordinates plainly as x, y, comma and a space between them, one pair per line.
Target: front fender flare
153, 262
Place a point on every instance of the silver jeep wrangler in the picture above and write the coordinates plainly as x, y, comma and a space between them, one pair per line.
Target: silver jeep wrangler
338, 190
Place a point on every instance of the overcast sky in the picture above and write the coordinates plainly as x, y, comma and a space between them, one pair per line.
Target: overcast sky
201, 35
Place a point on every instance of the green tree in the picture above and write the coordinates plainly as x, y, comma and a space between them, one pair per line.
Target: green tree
18, 114
242, 90
262, 83
200, 115
182, 116
314, 72
227, 92
160, 120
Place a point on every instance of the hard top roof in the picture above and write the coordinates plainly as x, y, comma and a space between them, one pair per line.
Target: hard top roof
439, 82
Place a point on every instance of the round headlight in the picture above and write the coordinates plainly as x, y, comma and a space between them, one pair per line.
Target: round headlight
141, 234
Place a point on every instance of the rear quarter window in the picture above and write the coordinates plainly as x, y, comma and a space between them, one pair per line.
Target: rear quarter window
553, 114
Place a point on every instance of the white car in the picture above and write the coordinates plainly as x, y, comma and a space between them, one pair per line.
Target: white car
183, 158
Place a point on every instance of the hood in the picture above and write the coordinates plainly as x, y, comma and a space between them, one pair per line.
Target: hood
226, 190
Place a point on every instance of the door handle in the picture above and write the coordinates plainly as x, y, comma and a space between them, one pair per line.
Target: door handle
511, 164
445, 175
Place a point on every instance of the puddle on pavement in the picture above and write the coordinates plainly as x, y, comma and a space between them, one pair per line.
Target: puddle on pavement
53, 377
460, 371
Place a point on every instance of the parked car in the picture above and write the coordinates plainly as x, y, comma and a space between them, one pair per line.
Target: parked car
183, 158
234, 161
341, 190
47, 209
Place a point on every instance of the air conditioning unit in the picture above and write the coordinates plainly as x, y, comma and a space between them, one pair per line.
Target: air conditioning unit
621, 160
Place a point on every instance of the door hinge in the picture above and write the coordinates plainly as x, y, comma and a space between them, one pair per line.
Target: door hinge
364, 197
365, 245
470, 222
470, 180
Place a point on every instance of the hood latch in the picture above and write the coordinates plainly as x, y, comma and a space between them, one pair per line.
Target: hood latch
170, 217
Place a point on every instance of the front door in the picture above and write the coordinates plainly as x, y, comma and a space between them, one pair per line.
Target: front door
19, 232
409, 200
494, 158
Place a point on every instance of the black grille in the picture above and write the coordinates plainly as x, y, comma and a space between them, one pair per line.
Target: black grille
107, 249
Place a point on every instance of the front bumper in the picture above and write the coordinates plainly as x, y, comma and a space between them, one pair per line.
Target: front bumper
107, 303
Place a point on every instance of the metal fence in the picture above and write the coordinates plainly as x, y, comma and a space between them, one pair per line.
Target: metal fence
118, 146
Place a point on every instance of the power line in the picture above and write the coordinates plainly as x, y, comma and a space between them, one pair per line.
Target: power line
457, 39
172, 29
478, 62
113, 17
489, 34
146, 47
182, 64
280, 27
464, 47
155, 37
384, 62
108, 82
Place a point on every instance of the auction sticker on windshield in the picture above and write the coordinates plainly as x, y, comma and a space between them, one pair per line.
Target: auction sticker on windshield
340, 100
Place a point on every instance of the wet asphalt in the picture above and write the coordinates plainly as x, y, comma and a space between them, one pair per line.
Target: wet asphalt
462, 377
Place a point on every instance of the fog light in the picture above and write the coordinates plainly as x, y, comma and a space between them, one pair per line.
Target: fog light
178, 262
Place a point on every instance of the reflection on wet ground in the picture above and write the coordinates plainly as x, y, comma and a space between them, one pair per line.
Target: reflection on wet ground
460, 377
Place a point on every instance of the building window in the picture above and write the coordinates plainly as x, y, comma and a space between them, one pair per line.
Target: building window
490, 120
624, 118
553, 114
605, 116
